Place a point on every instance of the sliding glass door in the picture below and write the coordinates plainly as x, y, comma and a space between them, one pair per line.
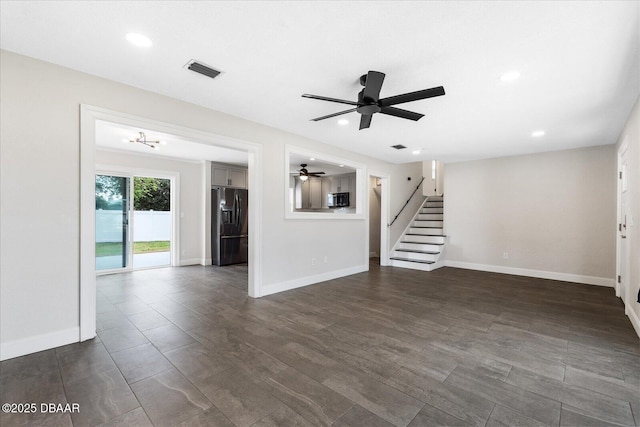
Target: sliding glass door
112, 222
134, 222
152, 222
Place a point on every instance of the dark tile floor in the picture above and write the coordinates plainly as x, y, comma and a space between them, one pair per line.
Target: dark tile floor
186, 346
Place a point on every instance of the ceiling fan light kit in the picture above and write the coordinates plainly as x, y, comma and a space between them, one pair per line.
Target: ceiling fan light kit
369, 102
304, 174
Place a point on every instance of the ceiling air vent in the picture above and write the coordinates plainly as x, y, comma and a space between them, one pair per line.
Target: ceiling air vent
198, 67
398, 146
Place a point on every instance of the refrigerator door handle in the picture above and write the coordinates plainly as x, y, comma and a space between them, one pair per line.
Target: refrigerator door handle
237, 208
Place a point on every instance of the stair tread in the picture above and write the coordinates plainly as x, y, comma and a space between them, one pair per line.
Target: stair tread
420, 243
420, 226
412, 260
417, 252
430, 235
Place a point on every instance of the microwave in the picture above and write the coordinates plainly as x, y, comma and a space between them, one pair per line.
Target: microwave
338, 200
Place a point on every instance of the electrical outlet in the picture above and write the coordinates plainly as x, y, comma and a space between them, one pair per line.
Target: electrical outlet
313, 261
505, 255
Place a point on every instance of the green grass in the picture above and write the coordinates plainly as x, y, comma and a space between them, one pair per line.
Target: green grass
115, 248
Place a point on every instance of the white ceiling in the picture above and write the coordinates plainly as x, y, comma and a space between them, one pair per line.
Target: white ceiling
579, 63
112, 136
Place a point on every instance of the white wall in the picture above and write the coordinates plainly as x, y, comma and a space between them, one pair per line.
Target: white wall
401, 191
40, 163
191, 195
432, 186
631, 135
551, 212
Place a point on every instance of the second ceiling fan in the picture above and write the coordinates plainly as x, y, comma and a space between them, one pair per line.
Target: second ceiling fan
305, 174
369, 101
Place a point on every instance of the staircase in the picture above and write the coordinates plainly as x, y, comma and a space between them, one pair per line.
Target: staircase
422, 243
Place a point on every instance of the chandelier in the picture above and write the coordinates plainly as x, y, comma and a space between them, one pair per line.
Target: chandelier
142, 139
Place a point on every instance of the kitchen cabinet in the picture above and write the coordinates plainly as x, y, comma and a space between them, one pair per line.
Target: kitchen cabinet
228, 176
325, 190
352, 190
339, 184
310, 194
315, 193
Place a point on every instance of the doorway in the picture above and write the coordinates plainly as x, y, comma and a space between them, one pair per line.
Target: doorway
134, 222
90, 116
375, 206
623, 244
378, 196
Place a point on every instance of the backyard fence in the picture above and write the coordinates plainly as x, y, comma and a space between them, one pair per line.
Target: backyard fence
148, 226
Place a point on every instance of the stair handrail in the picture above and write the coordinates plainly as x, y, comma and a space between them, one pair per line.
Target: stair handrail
407, 202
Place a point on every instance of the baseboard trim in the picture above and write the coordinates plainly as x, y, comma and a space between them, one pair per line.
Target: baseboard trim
541, 274
310, 280
633, 317
23, 346
205, 261
437, 264
192, 261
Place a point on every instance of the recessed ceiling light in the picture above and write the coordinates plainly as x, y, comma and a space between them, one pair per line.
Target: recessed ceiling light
341, 166
509, 76
343, 122
415, 152
537, 134
139, 40
312, 158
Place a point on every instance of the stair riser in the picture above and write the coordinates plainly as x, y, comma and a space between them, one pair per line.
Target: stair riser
427, 231
415, 255
414, 265
424, 239
435, 198
432, 211
419, 247
434, 205
430, 217
421, 223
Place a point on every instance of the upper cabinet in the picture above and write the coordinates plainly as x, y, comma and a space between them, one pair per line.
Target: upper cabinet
228, 176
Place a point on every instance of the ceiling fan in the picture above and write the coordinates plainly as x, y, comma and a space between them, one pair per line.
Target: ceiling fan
305, 174
369, 101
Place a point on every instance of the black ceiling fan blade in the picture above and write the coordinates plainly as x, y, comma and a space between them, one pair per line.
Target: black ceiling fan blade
412, 96
316, 173
365, 121
398, 112
324, 98
333, 115
373, 85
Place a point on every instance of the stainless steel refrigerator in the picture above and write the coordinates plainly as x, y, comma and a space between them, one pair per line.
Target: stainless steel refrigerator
229, 230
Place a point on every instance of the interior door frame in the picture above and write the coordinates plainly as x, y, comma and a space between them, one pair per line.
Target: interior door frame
174, 202
88, 116
622, 152
384, 215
